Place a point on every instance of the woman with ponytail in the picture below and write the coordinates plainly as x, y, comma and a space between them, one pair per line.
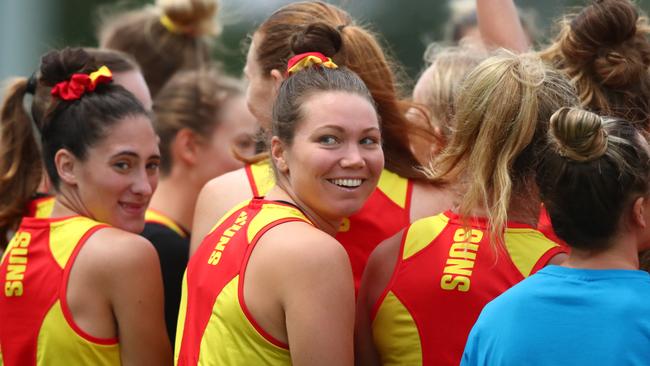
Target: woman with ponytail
81, 287
593, 179
403, 194
441, 270
31, 194
173, 35
270, 285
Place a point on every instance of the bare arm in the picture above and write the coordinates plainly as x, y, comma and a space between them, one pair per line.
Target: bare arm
375, 280
499, 25
134, 289
319, 309
217, 197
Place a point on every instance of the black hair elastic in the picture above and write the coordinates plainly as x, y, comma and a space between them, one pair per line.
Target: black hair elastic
31, 84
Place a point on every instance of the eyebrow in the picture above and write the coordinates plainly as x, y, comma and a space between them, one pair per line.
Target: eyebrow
133, 154
339, 128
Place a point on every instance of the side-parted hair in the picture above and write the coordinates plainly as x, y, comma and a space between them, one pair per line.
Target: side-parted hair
502, 115
72, 125
605, 52
590, 173
359, 51
172, 35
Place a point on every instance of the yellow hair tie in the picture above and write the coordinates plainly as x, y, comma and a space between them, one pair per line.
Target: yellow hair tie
308, 59
171, 26
103, 72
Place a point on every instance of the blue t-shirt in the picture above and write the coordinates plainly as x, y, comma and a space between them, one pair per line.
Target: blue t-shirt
566, 316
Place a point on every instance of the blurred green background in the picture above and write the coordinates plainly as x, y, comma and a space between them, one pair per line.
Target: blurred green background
30, 27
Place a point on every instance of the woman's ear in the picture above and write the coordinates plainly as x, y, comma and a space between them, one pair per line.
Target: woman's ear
66, 164
278, 78
278, 154
185, 147
639, 211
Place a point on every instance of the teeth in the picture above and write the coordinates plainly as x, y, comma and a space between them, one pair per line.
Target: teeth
347, 182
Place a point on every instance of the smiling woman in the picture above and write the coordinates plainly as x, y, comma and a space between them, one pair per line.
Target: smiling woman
270, 274
82, 284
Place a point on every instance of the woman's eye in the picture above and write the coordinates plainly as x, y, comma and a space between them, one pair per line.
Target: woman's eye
153, 165
122, 165
328, 140
369, 141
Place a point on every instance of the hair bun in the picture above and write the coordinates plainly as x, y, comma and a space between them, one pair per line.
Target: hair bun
578, 134
57, 66
317, 37
194, 16
604, 36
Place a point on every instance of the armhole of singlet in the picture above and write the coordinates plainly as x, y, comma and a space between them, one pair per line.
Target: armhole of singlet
242, 278
409, 196
251, 179
64, 290
546, 257
389, 285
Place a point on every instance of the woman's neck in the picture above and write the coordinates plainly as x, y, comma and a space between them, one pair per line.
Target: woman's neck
176, 198
621, 254
331, 227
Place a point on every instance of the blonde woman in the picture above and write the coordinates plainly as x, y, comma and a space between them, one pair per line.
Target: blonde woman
441, 270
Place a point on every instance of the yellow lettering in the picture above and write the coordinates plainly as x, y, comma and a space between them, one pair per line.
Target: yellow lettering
474, 236
17, 264
449, 282
463, 250
13, 288
215, 256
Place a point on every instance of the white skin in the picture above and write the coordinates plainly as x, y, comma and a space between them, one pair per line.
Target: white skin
219, 195
115, 284
329, 170
196, 159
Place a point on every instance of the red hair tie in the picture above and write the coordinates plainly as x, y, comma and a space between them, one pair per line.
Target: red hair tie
307, 59
79, 84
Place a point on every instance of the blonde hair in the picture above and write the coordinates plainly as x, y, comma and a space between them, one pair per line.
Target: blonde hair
447, 68
172, 35
502, 117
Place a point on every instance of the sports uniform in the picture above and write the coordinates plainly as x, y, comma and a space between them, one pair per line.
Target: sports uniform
442, 279
37, 327
214, 325
386, 212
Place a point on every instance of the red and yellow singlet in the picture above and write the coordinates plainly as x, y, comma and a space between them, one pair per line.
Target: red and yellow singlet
214, 325
41, 207
36, 325
444, 277
386, 212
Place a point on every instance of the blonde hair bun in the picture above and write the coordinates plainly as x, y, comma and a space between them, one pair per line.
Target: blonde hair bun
196, 16
578, 134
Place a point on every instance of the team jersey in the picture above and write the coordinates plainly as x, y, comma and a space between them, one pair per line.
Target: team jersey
172, 243
444, 276
41, 207
37, 327
386, 212
214, 325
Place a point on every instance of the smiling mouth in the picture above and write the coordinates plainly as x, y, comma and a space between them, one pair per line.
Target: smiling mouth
133, 207
347, 182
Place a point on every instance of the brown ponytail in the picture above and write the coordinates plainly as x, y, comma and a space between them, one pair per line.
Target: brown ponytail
20, 162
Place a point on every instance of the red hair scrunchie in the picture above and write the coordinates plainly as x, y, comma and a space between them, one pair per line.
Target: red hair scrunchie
307, 59
79, 84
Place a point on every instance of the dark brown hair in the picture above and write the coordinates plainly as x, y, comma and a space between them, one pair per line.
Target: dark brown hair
604, 49
322, 25
590, 173
72, 125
